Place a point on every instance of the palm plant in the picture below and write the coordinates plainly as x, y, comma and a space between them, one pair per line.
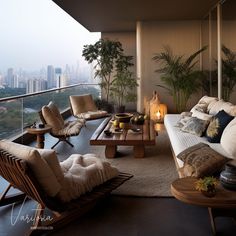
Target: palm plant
179, 75
228, 72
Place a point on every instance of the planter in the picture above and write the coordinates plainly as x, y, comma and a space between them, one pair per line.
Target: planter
209, 193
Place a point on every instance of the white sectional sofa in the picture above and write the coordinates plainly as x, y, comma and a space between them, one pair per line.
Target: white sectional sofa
206, 108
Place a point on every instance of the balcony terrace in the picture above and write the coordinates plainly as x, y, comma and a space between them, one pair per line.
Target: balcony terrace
116, 215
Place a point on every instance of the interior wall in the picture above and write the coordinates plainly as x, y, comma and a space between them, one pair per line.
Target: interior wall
183, 37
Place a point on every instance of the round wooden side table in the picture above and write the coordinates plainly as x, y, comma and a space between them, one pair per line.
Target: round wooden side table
39, 132
222, 204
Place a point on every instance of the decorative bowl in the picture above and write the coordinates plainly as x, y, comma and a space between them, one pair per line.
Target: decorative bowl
123, 117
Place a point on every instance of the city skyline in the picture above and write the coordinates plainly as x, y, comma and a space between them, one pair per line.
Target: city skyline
39, 33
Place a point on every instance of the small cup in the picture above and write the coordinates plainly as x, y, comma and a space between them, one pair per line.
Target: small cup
41, 126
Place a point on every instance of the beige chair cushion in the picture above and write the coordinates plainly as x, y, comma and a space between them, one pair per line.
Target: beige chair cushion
70, 128
51, 158
53, 117
82, 103
39, 166
228, 139
92, 114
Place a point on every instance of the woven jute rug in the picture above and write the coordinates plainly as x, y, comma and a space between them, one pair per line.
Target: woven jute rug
153, 174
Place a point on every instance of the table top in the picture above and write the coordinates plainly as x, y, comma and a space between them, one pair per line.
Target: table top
44, 130
127, 137
184, 190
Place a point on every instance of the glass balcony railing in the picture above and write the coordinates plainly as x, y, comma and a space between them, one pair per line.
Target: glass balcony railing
19, 112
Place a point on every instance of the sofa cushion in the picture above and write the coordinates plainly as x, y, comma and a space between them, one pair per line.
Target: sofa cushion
201, 160
39, 166
210, 101
222, 105
217, 126
195, 126
228, 138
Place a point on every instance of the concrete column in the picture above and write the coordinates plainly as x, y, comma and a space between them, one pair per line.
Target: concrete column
219, 62
140, 97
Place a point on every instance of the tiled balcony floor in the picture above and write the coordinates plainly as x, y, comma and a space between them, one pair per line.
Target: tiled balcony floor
117, 215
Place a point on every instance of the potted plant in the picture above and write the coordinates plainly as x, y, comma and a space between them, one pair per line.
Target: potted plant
105, 54
207, 186
179, 76
124, 84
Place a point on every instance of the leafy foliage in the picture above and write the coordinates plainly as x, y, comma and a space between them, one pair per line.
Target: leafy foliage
123, 85
179, 75
105, 53
203, 183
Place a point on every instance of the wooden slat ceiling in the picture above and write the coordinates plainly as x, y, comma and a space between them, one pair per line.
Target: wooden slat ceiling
122, 15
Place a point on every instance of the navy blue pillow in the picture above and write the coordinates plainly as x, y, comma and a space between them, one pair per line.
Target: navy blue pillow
217, 126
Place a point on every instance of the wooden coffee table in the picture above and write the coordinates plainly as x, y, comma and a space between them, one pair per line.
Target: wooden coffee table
222, 204
138, 140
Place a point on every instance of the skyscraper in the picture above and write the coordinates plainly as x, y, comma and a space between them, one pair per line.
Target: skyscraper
58, 75
51, 77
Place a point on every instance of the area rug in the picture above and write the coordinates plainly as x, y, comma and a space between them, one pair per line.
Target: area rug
153, 174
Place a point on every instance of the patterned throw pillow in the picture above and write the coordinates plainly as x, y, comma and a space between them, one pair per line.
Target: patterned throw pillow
217, 126
195, 126
201, 160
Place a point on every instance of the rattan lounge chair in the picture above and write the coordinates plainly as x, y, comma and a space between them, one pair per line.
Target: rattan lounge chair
83, 106
19, 174
61, 129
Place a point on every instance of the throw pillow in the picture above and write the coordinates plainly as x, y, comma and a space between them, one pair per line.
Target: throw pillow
201, 160
228, 138
217, 126
195, 126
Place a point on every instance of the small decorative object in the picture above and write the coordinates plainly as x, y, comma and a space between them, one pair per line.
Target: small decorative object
228, 176
107, 132
41, 126
138, 119
123, 117
207, 186
157, 110
33, 125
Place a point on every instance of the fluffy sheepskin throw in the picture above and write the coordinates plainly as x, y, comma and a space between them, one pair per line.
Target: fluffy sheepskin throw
82, 173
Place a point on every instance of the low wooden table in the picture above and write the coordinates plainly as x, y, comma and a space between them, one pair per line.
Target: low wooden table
39, 132
222, 204
139, 140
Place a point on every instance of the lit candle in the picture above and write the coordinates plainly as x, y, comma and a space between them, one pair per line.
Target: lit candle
158, 115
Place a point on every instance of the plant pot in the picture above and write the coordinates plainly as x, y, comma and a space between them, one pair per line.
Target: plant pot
211, 191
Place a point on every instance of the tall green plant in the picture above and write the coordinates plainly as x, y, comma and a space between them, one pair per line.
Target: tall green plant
105, 53
180, 77
228, 72
124, 83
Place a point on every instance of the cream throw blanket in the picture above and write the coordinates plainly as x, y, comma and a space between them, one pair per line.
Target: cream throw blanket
82, 173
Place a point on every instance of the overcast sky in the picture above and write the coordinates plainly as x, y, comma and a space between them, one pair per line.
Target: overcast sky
37, 33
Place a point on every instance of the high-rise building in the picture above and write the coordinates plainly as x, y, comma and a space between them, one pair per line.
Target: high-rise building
35, 85
10, 77
58, 75
51, 77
